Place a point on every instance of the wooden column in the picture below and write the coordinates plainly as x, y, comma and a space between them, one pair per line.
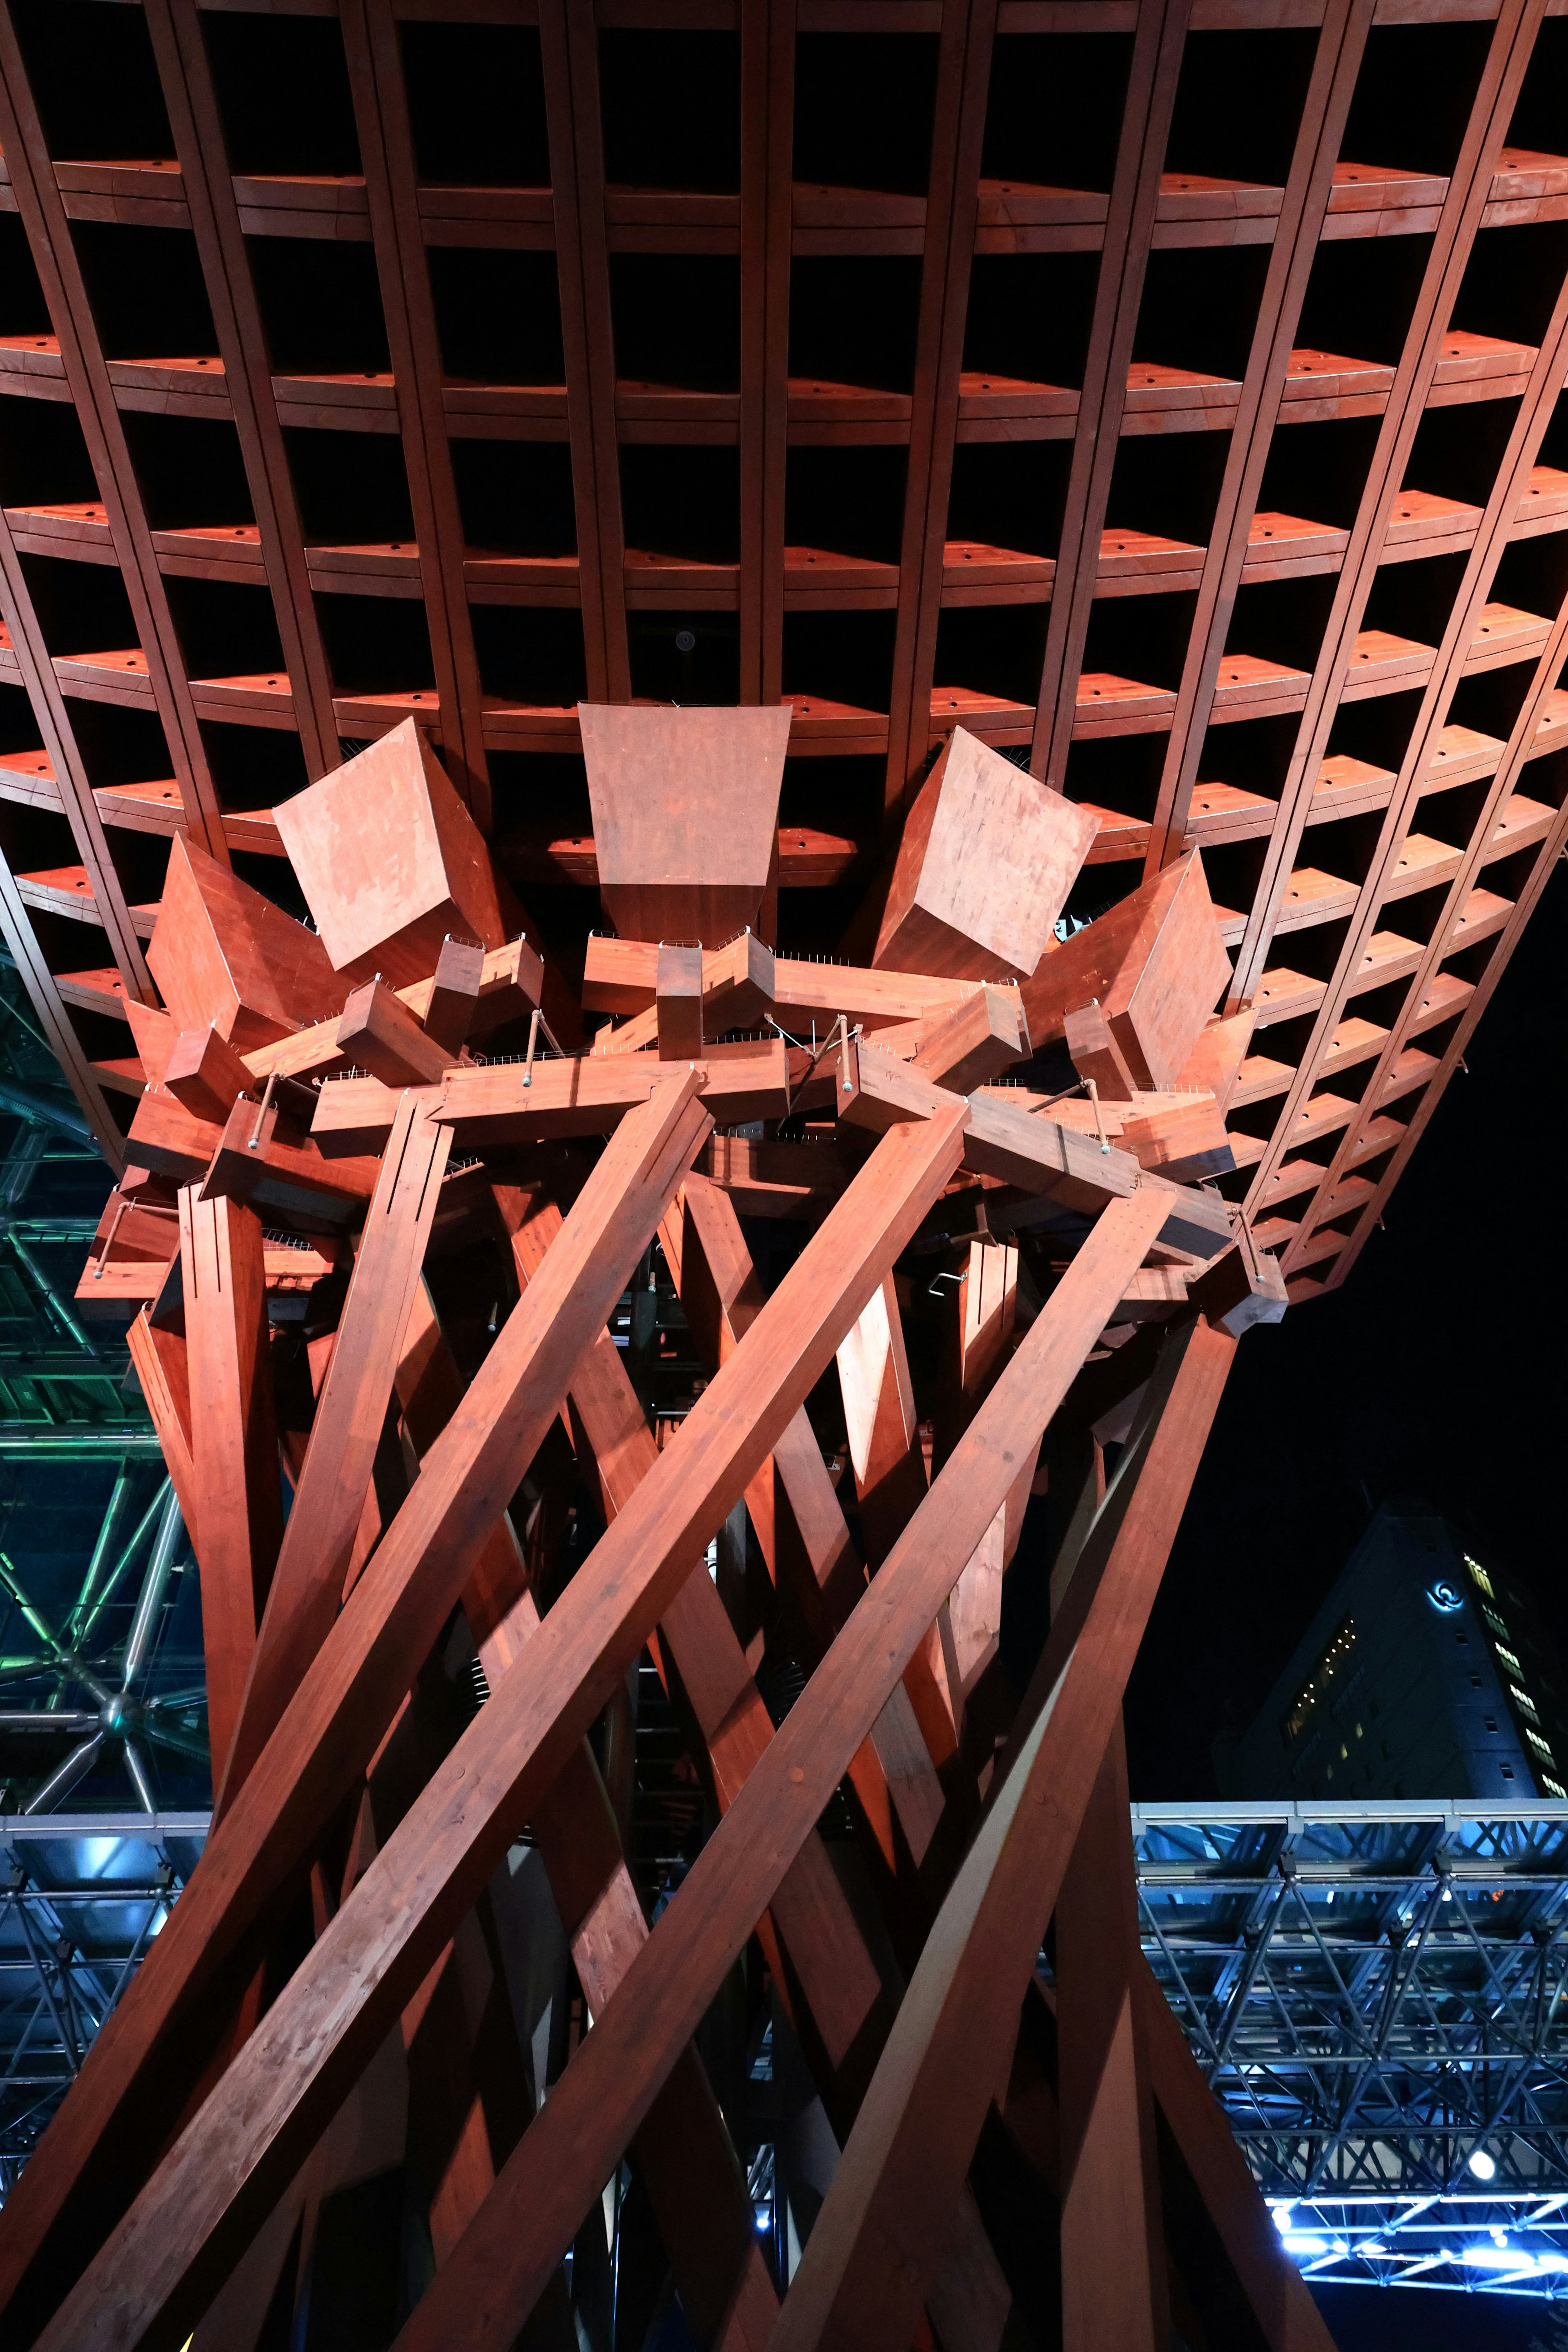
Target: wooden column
1112, 2246
233, 1443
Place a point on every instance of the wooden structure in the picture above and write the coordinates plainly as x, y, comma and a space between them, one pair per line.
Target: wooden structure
403, 391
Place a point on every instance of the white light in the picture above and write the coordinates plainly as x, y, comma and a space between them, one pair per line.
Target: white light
1373, 2249
1282, 2217
1551, 2262
1482, 2165
1497, 2238
1497, 2258
1298, 2244
1341, 2247
1446, 2255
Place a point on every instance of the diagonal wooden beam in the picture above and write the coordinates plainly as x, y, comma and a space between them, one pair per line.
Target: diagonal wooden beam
1114, 2295
233, 1443
391, 180
1157, 43
1534, 414
350, 1692
37, 671
329, 1497
496, 2275
198, 2209
160, 1362
1508, 55
1341, 41
1280, 2299
810, 1910
796, 1511
174, 29
43, 213
878, 2240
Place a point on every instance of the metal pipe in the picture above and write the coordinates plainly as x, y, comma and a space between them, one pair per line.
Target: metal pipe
111, 1583
42, 1110
143, 1625
55, 1304
63, 1780
105, 1537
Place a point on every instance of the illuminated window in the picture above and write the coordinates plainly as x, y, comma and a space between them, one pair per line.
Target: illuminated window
1552, 1787
1344, 1751
1523, 1699
1300, 1717
1359, 1733
1539, 1744
1482, 1579
1495, 1622
1508, 1658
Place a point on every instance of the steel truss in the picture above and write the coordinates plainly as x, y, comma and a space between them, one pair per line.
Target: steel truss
81, 1897
1376, 1995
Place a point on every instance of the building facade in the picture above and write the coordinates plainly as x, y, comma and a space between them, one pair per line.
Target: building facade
1424, 1673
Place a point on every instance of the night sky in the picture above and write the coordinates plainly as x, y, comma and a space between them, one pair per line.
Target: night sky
1436, 1372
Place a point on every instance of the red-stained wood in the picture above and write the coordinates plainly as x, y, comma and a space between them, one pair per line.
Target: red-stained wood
879, 2238
330, 1493
965, 46
1158, 41
1280, 2297
67, 767
1114, 2255
568, 44
391, 862
1342, 42
39, 202
161, 1363
336, 1716
514, 1749
495, 2276
1508, 55
810, 1911
234, 1444
684, 816
983, 870
767, 191
174, 31
390, 176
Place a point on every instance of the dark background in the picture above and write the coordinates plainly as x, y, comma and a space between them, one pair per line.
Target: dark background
1436, 1372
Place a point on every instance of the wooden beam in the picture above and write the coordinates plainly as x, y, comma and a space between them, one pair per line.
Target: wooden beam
493, 2280
1342, 42
43, 213
878, 2240
1508, 55
1159, 37
234, 1444
174, 29
1280, 2299
149, 2271
809, 1909
336, 1717
329, 1493
1114, 2295
568, 40
965, 46
391, 178
767, 196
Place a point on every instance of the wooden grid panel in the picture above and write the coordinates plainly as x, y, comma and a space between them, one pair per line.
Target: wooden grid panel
1326, 695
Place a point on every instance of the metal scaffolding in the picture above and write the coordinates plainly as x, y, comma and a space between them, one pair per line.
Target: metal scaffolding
81, 1897
1376, 1994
